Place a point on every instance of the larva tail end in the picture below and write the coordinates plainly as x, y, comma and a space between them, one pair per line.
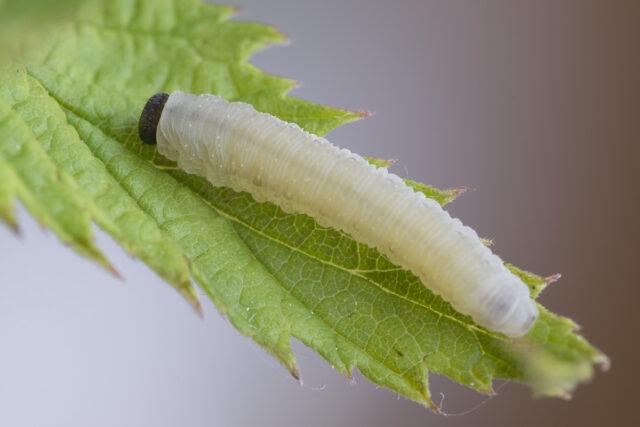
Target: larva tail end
150, 117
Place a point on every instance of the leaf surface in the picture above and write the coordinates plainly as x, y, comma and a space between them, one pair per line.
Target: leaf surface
69, 152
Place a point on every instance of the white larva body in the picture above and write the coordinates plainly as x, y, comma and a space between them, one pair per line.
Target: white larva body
233, 145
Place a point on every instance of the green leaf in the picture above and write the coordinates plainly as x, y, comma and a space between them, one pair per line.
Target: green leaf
443, 197
69, 152
24, 24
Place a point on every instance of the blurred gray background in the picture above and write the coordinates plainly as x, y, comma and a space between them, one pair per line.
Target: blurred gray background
531, 104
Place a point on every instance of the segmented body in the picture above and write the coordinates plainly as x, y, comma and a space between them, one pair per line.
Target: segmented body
233, 145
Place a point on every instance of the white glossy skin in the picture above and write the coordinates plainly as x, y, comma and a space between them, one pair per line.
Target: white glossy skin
233, 145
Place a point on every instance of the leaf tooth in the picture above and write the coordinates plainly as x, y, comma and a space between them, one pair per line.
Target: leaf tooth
603, 362
290, 362
281, 352
487, 241
295, 373
427, 401
381, 163
82, 244
485, 387
536, 283
364, 114
257, 37
8, 192
287, 359
289, 84
84, 247
114, 271
7, 215
189, 293
227, 11
455, 192
278, 343
348, 374
344, 367
444, 197
354, 116
278, 36
424, 389
552, 278
87, 248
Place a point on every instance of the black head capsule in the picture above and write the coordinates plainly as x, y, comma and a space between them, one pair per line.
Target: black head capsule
150, 117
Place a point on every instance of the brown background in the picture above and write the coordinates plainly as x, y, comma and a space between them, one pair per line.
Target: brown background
531, 104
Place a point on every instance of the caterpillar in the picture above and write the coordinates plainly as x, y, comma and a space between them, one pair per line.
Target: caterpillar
233, 145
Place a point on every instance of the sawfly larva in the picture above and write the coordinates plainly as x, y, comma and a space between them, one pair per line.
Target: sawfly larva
233, 145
